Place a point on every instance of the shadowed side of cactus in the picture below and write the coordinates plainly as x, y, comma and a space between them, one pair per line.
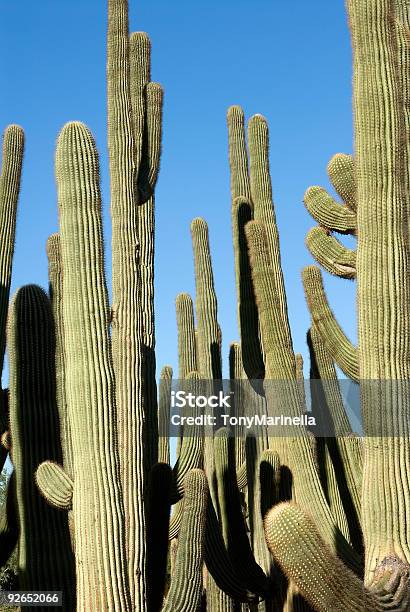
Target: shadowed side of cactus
45, 558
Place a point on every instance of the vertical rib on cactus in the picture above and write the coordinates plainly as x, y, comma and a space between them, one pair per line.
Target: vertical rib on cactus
45, 559
294, 452
186, 586
98, 509
146, 102
127, 319
164, 407
187, 357
383, 281
55, 276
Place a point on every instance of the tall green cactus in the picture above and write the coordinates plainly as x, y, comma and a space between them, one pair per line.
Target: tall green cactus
97, 503
45, 560
10, 178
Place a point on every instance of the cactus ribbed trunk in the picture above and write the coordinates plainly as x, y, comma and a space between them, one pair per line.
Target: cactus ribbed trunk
383, 263
127, 325
45, 559
98, 512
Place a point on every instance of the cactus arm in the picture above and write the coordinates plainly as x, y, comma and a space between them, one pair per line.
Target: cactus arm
187, 357
206, 304
324, 581
164, 414
341, 171
35, 436
10, 178
97, 496
277, 340
294, 452
55, 275
331, 254
237, 378
329, 213
9, 529
264, 210
220, 566
191, 454
238, 157
323, 370
344, 448
247, 310
231, 517
55, 485
146, 103
186, 586
336, 342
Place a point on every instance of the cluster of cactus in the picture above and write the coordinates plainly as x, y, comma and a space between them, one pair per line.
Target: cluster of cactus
265, 522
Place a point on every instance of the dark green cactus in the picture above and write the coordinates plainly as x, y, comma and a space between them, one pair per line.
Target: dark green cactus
45, 559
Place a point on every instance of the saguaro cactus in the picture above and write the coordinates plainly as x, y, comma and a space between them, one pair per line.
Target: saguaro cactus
45, 559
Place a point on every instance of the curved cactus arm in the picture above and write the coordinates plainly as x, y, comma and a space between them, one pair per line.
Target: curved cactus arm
187, 357
269, 290
344, 447
232, 520
328, 213
264, 210
320, 575
219, 564
97, 497
36, 436
191, 454
341, 171
295, 452
55, 276
238, 156
336, 342
237, 380
248, 320
176, 518
9, 529
242, 212
158, 510
324, 373
209, 357
55, 485
164, 407
146, 101
10, 178
331, 254
186, 586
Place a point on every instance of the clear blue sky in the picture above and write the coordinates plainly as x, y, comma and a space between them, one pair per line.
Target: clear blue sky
288, 61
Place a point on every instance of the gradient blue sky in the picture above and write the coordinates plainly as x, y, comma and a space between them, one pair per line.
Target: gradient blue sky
289, 61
